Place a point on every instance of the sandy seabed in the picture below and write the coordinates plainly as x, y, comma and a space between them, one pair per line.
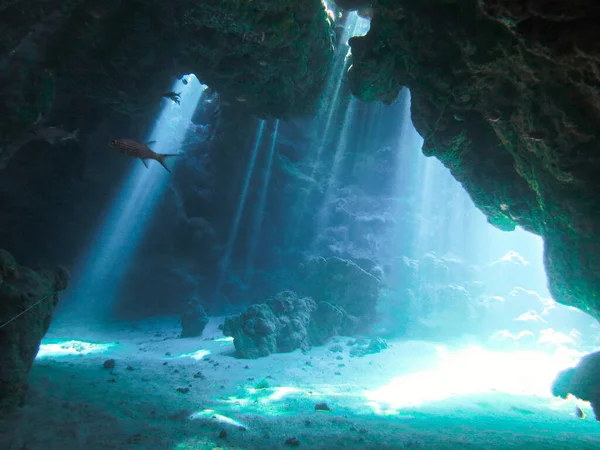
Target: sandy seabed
174, 394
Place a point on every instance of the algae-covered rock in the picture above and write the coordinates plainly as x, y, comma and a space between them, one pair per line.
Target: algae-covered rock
36, 292
505, 94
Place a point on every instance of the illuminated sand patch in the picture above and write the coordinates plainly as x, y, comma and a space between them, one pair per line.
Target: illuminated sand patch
71, 348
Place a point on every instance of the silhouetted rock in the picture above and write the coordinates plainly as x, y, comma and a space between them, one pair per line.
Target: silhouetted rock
582, 381
193, 319
36, 292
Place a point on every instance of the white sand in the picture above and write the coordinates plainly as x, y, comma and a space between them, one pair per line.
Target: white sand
73, 405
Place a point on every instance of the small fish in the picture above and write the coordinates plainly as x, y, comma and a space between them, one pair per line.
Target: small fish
579, 412
54, 135
136, 149
174, 96
535, 135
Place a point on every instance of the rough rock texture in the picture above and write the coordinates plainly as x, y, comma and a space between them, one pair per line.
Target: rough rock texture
269, 57
279, 325
287, 322
22, 288
582, 381
505, 94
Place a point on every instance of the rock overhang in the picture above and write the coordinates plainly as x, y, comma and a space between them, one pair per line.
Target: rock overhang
506, 96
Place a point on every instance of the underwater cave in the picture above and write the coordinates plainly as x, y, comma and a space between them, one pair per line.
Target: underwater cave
366, 224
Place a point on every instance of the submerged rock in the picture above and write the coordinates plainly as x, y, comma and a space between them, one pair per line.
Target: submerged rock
27, 299
193, 319
376, 345
279, 325
285, 323
582, 381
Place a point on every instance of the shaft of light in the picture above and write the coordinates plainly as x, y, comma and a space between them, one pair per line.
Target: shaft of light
262, 202
239, 211
123, 228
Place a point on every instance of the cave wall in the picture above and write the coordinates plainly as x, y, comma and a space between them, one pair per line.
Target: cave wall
505, 94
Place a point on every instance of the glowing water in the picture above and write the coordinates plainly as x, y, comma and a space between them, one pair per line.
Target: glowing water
330, 101
239, 211
331, 107
52, 348
262, 202
332, 182
475, 370
124, 225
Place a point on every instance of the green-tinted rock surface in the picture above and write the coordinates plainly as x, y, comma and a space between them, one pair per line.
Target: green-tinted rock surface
23, 289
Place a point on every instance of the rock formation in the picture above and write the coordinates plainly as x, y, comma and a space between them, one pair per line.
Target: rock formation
582, 381
193, 319
505, 94
279, 325
287, 322
36, 292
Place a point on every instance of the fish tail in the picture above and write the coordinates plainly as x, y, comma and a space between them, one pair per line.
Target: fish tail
160, 157
75, 135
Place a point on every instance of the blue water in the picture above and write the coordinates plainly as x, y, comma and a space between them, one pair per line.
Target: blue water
233, 234
262, 203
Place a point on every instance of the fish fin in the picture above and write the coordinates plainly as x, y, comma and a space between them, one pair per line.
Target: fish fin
162, 163
150, 142
160, 157
145, 163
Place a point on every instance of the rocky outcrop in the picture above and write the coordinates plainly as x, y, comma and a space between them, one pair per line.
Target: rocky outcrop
36, 292
193, 319
279, 325
582, 381
268, 57
505, 94
288, 322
